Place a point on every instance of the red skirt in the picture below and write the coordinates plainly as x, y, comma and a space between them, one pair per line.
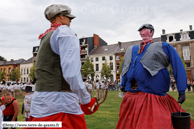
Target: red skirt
69, 121
147, 111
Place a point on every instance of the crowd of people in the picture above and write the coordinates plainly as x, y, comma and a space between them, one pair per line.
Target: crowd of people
96, 86
9, 107
190, 85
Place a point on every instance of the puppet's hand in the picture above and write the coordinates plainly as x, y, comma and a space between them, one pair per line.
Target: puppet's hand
122, 89
85, 108
181, 98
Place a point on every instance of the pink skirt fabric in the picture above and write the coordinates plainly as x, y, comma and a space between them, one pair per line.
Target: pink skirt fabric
147, 111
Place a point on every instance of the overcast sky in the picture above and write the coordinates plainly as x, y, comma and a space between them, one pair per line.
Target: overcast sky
21, 21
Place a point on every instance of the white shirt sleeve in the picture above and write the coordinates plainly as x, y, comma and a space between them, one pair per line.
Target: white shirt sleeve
66, 45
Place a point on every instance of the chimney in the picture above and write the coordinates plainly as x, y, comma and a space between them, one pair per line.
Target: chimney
181, 30
163, 31
119, 43
190, 27
96, 40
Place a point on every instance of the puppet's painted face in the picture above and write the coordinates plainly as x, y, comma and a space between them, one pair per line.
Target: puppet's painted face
146, 35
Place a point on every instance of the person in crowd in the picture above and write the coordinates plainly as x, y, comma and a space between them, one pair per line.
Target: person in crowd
173, 85
11, 110
2, 107
27, 101
102, 88
116, 85
189, 84
89, 87
97, 89
146, 81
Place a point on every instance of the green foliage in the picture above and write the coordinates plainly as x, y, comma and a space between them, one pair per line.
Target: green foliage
2, 75
15, 74
88, 68
32, 72
2, 58
106, 71
171, 70
121, 65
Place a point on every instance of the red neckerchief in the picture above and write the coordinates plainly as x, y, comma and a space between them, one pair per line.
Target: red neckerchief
54, 26
142, 46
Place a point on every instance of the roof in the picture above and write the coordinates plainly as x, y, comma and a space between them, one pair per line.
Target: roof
114, 48
1, 62
28, 61
12, 62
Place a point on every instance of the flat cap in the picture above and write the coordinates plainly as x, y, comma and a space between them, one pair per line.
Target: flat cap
57, 9
149, 26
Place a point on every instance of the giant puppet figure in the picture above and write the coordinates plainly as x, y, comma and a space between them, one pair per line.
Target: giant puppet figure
146, 79
59, 85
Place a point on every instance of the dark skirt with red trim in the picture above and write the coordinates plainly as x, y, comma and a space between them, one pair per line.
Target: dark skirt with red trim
69, 121
147, 111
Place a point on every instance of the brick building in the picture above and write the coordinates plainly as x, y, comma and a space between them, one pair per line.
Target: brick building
183, 42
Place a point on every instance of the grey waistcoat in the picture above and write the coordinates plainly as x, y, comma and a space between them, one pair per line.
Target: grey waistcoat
153, 60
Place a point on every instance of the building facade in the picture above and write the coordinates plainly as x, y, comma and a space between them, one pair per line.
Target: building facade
8, 65
88, 44
25, 71
183, 42
113, 54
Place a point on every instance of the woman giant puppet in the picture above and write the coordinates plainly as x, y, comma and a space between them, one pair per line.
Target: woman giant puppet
148, 106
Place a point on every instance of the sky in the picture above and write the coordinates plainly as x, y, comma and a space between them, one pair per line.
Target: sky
22, 21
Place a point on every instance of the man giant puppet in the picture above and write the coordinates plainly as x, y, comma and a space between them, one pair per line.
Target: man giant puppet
148, 106
59, 85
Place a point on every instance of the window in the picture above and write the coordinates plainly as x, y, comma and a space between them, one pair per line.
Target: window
24, 71
27, 79
184, 36
97, 67
96, 58
91, 59
1, 69
103, 58
186, 53
111, 66
24, 79
106, 49
188, 64
9, 70
170, 38
21, 80
27, 71
118, 65
111, 78
111, 58
21, 71
4, 69
117, 57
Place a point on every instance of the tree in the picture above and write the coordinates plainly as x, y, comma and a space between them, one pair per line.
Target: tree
15, 74
121, 65
32, 73
2, 58
88, 68
171, 70
2, 75
106, 71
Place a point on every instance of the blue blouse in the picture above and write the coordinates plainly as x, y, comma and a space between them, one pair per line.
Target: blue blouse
160, 83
